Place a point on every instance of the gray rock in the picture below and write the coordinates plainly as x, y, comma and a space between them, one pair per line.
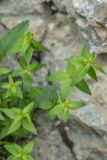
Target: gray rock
12, 12
50, 144
91, 17
63, 39
64, 6
20, 7
2, 30
10, 62
51, 147
87, 127
53, 22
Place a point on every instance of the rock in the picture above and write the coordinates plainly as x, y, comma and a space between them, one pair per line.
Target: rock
10, 62
50, 144
63, 40
13, 12
59, 24
91, 17
38, 25
51, 147
19, 7
40, 77
64, 6
2, 30
86, 130
87, 127
51, 22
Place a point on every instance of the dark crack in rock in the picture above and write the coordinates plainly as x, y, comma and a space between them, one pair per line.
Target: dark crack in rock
50, 144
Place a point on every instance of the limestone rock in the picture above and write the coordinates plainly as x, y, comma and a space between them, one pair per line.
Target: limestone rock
91, 17
64, 6
63, 39
20, 7
52, 23
87, 127
50, 144
2, 30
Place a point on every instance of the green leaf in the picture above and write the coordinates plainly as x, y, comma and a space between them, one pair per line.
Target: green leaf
83, 86
4, 132
65, 114
15, 124
28, 125
46, 98
35, 67
85, 52
92, 73
37, 46
80, 73
11, 37
4, 71
99, 68
29, 107
77, 104
27, 80
28, 55
45, 104
28, 148
19, 93
9, 112
18, 72
17, 83
1, 117
29, 158
78, 60
13, 90
23, 63
70, 69
22, 44
8, 93
17, 147
93, 57
10, 158
65, 88
55, 111
11, 148
58, 76
16, 158
5, 85
10, 79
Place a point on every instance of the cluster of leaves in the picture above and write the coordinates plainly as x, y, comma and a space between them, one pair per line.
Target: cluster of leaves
74, 76
19, 97
18, 153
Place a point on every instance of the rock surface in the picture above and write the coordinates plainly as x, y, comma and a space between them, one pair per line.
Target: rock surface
64, 26
91, 17
51, 24
50, 144
84, 137
87, 127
